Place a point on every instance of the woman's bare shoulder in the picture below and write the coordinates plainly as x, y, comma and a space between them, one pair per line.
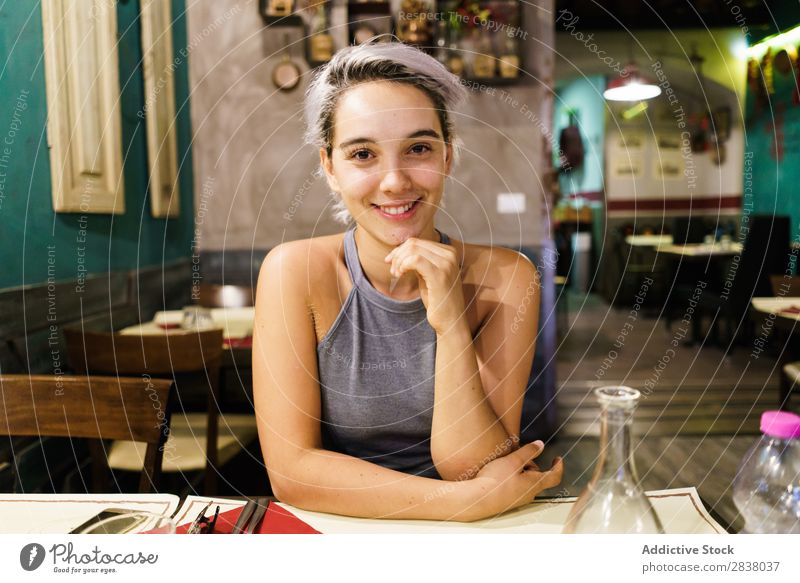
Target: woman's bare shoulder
311, 261
494, 271
494, 259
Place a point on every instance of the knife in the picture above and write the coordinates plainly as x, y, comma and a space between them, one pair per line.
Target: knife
244, 517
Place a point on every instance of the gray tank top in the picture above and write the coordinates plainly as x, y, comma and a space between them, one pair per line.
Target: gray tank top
376, 374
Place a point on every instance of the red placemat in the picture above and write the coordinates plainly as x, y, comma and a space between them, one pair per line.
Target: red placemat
246, 342
277, 520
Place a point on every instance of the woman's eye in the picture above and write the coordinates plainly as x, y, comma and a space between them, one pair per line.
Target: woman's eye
420, 148
361, 155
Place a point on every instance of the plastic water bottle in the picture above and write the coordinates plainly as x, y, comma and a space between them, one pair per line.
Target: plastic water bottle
766, 489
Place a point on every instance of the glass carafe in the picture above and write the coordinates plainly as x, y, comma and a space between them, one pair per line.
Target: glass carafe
613, 501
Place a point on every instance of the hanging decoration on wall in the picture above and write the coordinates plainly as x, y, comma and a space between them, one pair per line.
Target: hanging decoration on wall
774, 77
570, 145
286, 74
85, 142
159, 110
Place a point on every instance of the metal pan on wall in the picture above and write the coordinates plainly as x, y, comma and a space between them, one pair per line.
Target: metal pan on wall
286, 74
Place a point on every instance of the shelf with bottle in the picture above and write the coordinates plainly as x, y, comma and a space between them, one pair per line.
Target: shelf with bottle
319, 45
279, 13
480, 41
312, 16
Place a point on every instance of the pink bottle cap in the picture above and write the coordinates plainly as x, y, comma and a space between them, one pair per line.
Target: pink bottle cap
780, 424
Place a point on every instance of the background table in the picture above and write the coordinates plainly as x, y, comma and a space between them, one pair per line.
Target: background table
702, 250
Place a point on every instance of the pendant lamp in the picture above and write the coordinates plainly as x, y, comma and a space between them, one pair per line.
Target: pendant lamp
632, 87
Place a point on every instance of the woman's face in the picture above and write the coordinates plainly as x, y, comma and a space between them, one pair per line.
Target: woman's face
389, 160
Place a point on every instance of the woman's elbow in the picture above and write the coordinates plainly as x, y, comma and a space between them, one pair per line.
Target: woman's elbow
455, 469
288, 491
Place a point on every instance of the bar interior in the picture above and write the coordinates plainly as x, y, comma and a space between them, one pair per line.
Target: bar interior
171, 190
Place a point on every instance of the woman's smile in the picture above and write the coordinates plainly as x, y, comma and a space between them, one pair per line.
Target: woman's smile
398, 211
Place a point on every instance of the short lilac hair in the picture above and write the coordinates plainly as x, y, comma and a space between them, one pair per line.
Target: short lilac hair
378, 61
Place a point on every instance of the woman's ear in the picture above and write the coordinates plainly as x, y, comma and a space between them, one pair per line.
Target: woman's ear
448, 159
327, 165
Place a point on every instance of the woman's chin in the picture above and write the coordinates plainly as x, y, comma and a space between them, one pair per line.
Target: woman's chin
399, 235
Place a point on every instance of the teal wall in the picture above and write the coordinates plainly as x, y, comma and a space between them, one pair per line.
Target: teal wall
28, 225
772, 153
584, 95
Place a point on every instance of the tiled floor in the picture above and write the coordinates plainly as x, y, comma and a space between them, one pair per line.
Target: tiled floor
699, 412
687, 390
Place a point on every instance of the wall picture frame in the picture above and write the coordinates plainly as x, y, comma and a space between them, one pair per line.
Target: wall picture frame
159, 108
626, 166
668, 166
84, 122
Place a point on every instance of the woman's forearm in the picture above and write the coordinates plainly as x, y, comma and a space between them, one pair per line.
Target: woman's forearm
325, 481
466, 433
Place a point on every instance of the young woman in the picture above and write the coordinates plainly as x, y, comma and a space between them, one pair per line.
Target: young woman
390, 362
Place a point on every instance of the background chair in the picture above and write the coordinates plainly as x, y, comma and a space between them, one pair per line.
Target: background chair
236, 380
765, 253
97, 408
787, 287
225, 296
790, 380
688, 230
193, 360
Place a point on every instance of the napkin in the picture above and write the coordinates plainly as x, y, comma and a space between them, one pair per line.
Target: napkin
277, 520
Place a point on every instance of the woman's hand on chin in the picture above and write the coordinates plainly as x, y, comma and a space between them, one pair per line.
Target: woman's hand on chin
514, 480
439, 274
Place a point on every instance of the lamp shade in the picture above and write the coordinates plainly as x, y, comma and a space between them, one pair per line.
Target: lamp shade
631, 87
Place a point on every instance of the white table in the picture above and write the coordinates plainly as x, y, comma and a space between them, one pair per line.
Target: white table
60, 513
680, 510
775, 305
701, 250
648, 240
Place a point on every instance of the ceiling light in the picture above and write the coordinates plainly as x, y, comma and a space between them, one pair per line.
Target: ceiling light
632, 87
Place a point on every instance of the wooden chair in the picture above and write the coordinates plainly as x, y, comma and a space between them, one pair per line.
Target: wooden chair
97, 408
790, 381
193, 360
764, 254
787, 287
562, 307
226, 296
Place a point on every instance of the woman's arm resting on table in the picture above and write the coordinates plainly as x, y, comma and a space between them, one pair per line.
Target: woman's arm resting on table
480, 383
287, 401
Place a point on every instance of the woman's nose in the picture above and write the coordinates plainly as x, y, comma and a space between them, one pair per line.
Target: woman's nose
395, 179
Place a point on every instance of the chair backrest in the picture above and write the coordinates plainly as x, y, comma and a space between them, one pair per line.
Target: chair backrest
687, 230
192, 353
133, 409
765, 253
787, 287
225, 296
157, 354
